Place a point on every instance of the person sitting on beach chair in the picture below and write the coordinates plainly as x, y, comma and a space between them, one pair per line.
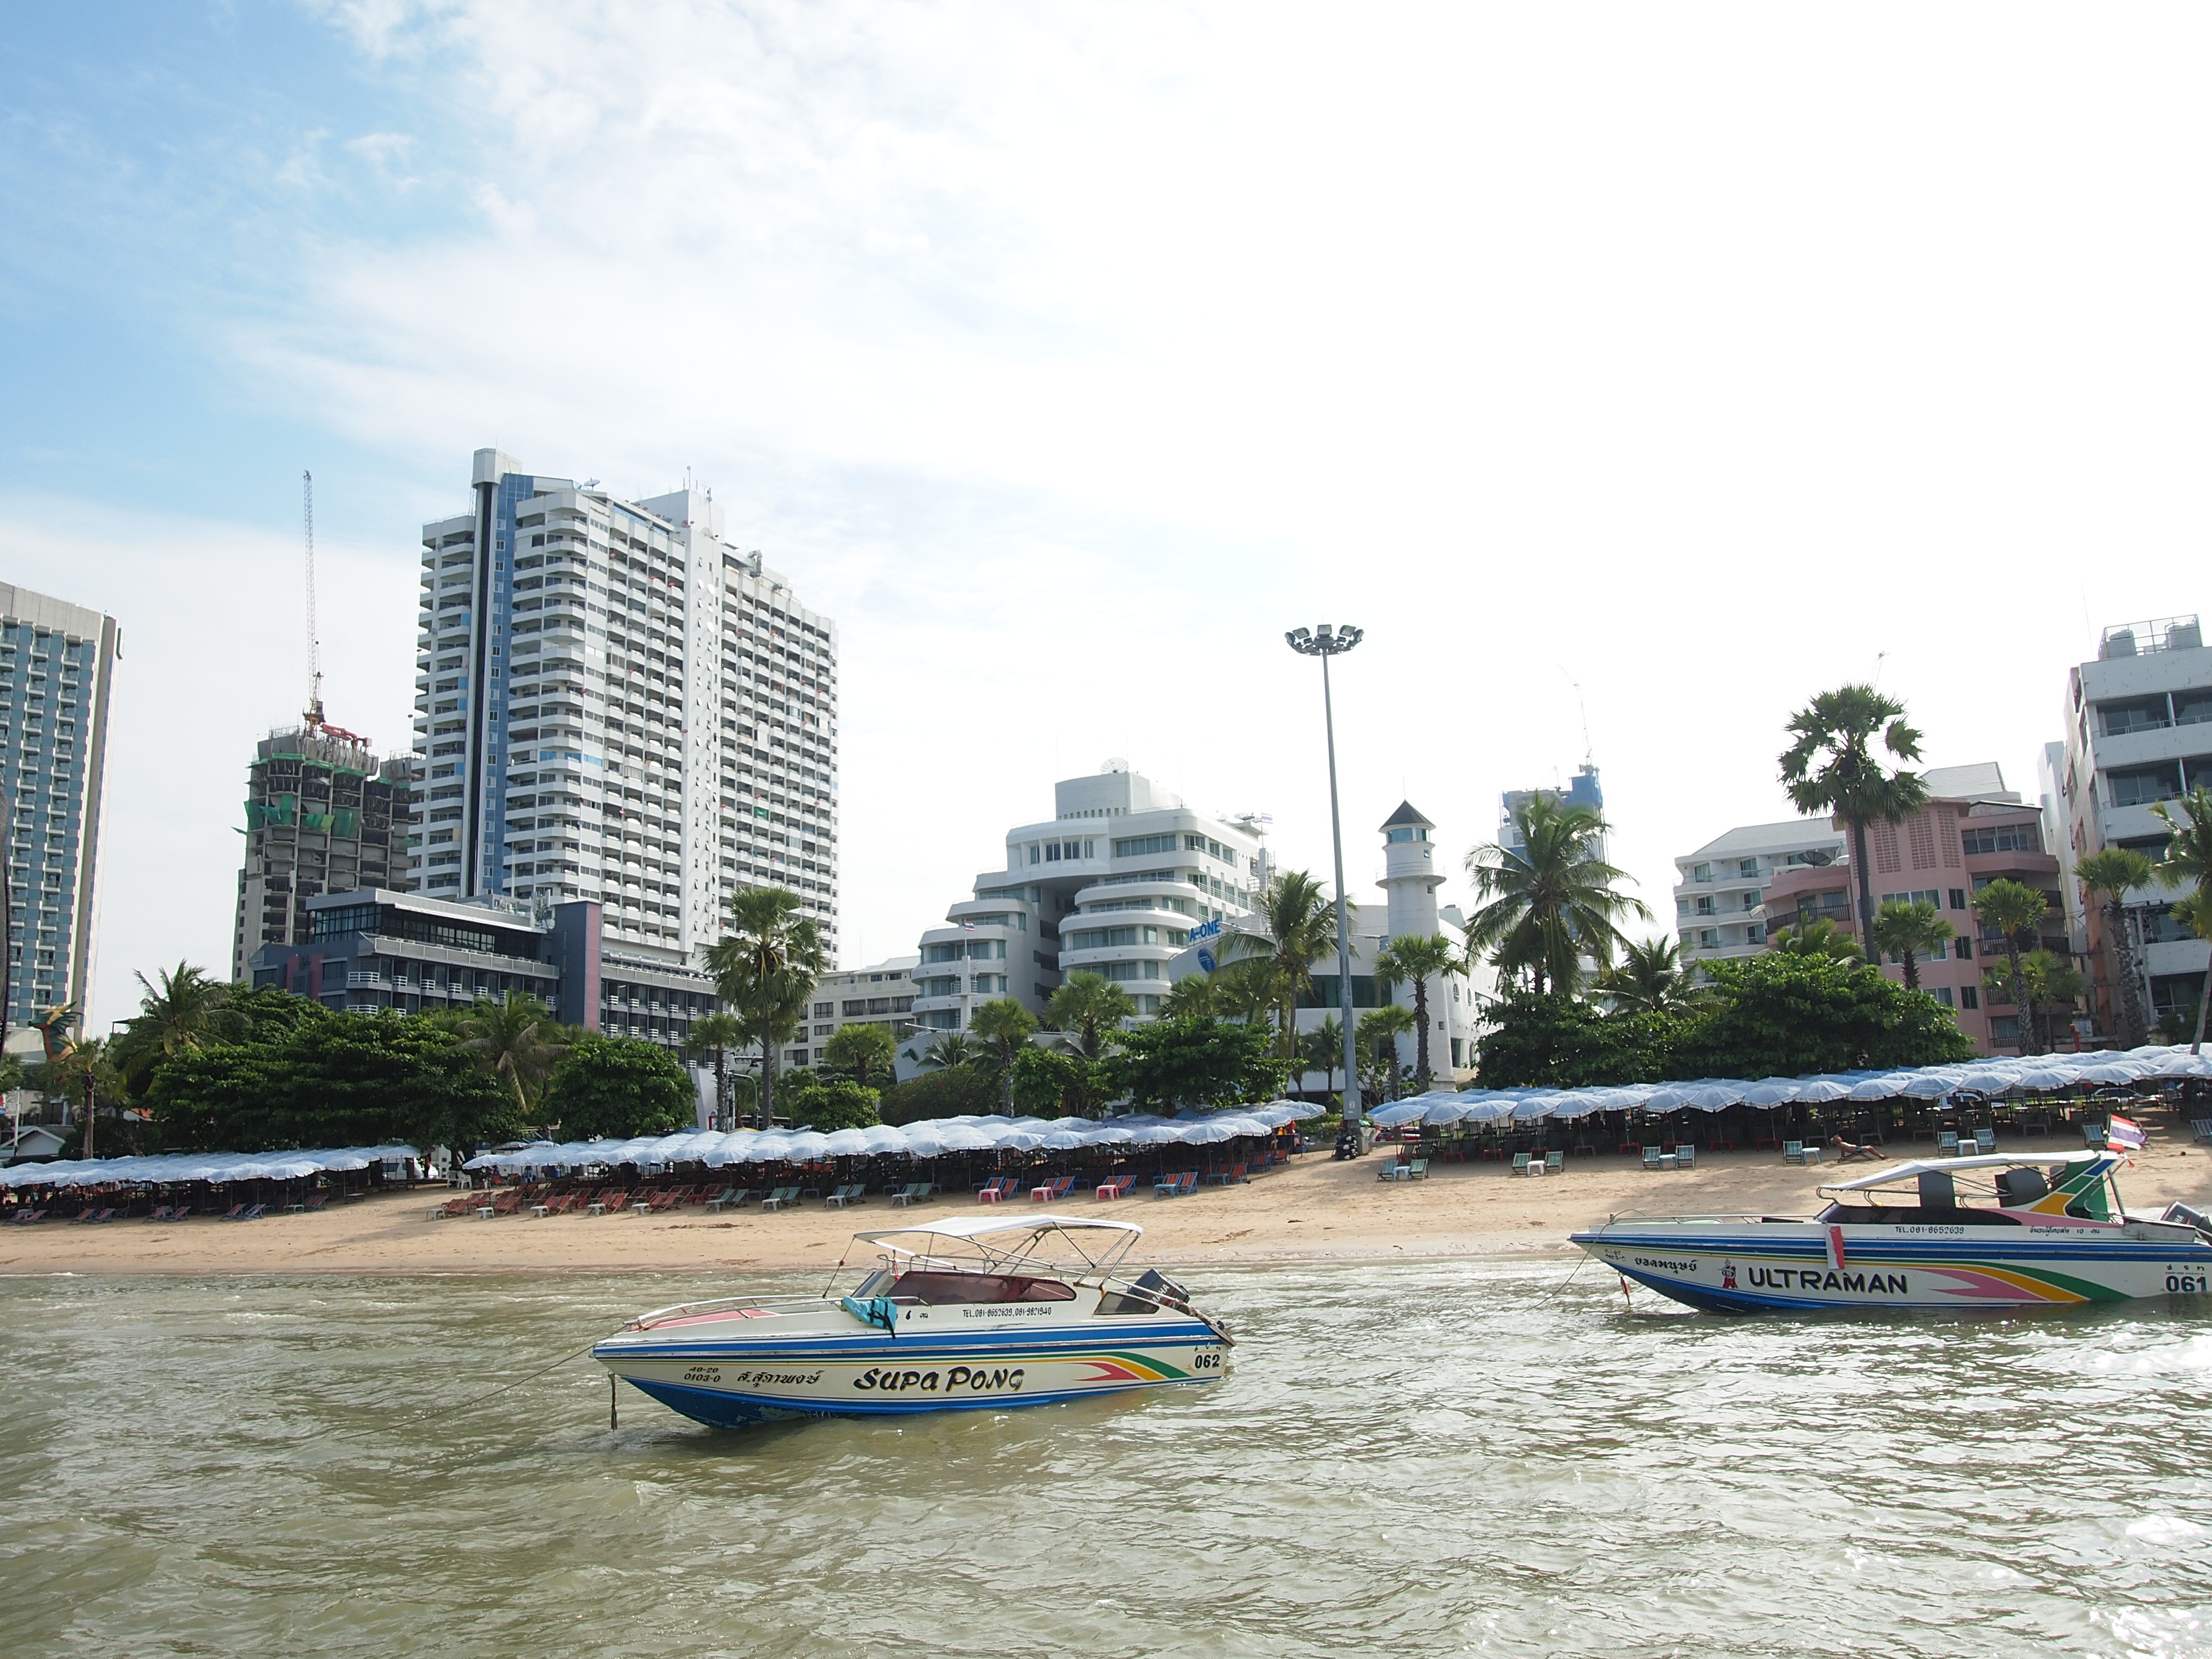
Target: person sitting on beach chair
1850, 1151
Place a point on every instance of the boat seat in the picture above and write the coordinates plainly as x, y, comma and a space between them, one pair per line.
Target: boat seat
2018, 1187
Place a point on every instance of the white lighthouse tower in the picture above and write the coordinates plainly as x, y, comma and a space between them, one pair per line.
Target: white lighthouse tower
1409, 874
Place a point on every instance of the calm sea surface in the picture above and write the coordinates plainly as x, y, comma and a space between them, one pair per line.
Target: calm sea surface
1408, 1459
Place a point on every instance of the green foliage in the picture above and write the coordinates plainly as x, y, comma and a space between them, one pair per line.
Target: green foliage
765, 969
304, 1075
1562, 1042
1415, 959
1907, 930
1817, 937
1300, 927
1650, 977
1088, 1008
618, 1087
827, 1106
1550, 902
1050, 1083
862, 1052
1830, 766
1199, 1061
953, 1091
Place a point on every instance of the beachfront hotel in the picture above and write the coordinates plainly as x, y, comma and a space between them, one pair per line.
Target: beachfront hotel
2138, 731
615, 703
1720, 890
56, 681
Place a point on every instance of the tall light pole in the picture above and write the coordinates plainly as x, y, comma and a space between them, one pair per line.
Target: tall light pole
1326, 641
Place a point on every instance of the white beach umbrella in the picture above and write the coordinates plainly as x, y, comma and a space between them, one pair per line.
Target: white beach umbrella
885, 1139
1063, 1140
806, 1145
845, 1142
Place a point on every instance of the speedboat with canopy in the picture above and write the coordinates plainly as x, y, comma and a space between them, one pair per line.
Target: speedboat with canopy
960, 1314
1984, 1231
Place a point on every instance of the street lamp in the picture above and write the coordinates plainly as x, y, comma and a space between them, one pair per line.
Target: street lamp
1325, 643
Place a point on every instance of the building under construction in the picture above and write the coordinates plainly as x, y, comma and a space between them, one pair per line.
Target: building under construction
319, 811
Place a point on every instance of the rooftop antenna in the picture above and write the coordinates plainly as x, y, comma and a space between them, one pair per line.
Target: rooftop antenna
1879, 658
314, 639
1590, 752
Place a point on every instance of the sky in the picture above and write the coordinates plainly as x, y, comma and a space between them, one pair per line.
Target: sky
1630, 374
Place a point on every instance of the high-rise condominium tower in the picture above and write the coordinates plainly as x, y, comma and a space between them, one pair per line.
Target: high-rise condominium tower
614, 703
56, 675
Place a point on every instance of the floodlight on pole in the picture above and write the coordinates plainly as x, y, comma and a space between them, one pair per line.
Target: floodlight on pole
1326, 640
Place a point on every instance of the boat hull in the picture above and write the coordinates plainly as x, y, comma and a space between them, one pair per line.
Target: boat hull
726, 1384
1804, 1266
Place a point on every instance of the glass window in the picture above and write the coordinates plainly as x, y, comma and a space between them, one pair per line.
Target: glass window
1941, 993
2139, 715
1701, 872
1969, 997
1132, 847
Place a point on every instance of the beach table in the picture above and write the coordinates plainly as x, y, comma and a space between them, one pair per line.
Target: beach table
483, 1211
541, 1210
991, 1195
639, 1205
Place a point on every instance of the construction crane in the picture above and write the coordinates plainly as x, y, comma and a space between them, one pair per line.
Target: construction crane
314, 639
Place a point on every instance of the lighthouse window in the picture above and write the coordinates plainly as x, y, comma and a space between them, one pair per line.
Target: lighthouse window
1406, 832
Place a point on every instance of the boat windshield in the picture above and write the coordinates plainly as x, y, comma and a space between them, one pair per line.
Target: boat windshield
940, 1288
1978, 1191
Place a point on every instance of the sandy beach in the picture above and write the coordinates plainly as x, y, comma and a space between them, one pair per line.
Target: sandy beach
1317, 1208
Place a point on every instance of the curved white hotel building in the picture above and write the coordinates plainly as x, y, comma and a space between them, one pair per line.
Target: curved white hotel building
1113, 882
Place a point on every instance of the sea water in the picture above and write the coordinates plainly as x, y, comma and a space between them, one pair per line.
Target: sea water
1414, 1459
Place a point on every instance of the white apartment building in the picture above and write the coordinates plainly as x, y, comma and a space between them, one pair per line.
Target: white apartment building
1112, 883
882, 994
2138, 731
613, 703
1720, 890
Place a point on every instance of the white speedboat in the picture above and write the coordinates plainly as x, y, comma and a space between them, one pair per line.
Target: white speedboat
1986, 1231
965, 1313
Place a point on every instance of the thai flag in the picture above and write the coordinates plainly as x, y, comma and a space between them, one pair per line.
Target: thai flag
967, 926
2122, 1135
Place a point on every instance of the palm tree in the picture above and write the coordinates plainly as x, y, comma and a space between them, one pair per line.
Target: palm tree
864, 1051
509, 1039
1831, 767
2188, 863
2196, 911
1323, 1050
1909, 930
1649, 978
1817, 937
1005, 1025
1415, 959
1245, 991
2014, 908
1378, 1032
1551, 900
1086, 1009
952, 1050
1299, 925
2108, 876
1190, 997
765, 969
716, 1034
79, 1072
185, 1012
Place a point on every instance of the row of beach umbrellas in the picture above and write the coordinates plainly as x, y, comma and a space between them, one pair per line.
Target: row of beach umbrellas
2010, 1075
930, 1137
167, 1168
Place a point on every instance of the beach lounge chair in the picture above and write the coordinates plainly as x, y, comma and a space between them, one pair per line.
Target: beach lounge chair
445, 1212
97, 1215
1793, 1152
781, 1198
316, 1202
1651, 1158
1947, 1144
1117, 1188
1986, 1140
914, 1192
178, 1212
2093, 1134
2200, 1129
852, 1192
27, 1218
237, 1210
735, 1199
252, 1213
1520, 1163
508, 1202
159, 1212
1053, 1191
1176, 1186
1417, 1170
609, 1202
1555, 1163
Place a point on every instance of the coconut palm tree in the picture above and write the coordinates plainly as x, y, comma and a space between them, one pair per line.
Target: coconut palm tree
1649, 978
2196, 913
716, 1034
863, 1051
1189, 998
81, 1074
1299, 926
1377, 1032
1245, 991
1817, 937
1323, 1050
952, 1050
2108, 877
2188, 863
1550, 902
1086, 1009
2014, 909
1415, 959
1910, 929
1831, 767
183, 1009
513, 1040
764, 968
1005, 1025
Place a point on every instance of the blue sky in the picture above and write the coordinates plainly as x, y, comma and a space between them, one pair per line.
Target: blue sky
1698, 357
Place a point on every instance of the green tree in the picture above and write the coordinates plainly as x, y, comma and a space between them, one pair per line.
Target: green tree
515, 1041
1047, 1083
1192, 994
765, 969
1788, 1016
832, 1105
83, 1075
1831, 766
1247, 992
955, 1091
1817, 937
1415, 959
1909, 929
1171, 1063
1088, 1009
619, 1087
182, 1009
2016, 911
1298, 925
2195, 912
1005, 1025
1552, 900
863, 1053
2188, 863
304, 1075
2106, 879
1649, 978
716, 1034
952, 1048
1562, 1042
1323, 1050
1377, 1035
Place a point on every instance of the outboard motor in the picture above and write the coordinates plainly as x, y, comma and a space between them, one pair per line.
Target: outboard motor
2189, 1218
1162, 1286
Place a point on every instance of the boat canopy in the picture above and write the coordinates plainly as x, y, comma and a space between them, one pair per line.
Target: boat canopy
979, 1226
1913, 1168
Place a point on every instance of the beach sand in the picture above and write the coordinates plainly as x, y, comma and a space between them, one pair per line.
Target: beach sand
1316, 1209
